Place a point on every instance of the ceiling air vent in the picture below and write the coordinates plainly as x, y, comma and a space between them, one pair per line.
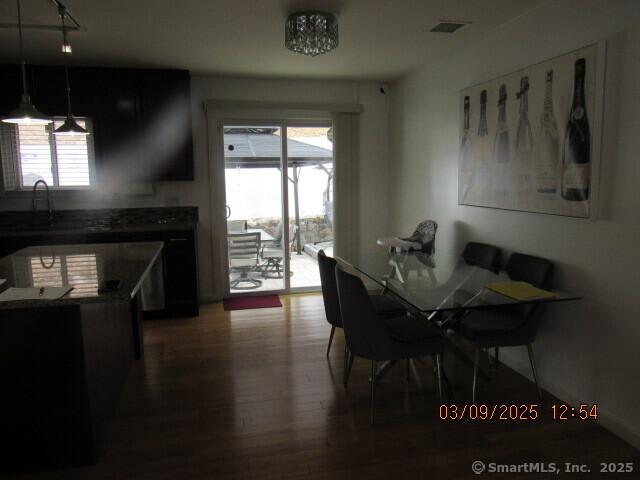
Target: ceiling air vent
448, 26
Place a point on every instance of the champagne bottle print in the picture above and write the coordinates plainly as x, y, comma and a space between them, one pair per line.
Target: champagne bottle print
482, 124
547, 149
466, 158
524, 144
501, 143
501, 177
576, 154
482, 147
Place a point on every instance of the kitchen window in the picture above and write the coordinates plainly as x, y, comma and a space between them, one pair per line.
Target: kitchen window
31, 152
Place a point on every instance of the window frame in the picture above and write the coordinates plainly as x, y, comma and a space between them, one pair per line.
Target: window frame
22, 189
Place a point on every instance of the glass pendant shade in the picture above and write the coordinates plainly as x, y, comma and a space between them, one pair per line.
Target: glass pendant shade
27, 114
311, 33
70, 127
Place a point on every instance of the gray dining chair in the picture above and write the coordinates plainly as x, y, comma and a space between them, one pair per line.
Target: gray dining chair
482, 255
383, 304
512, 326
367, 336
243, 250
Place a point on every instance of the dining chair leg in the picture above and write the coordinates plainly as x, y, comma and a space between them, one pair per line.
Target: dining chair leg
348, 371
476, 365
373, 389
438, 362
532, 361
333, 331
345, 362
416, 375
496, 358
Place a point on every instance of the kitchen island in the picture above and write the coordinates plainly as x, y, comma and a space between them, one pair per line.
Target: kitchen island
63, 362
175, 227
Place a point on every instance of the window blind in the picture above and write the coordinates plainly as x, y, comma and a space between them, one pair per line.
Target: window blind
31, 152
9, 154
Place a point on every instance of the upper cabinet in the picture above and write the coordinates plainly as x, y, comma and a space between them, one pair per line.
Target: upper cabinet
141, 119
165, 112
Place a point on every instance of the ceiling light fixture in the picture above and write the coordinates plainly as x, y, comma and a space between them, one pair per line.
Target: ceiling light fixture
311, 33
70, 126
26, 113
66, 46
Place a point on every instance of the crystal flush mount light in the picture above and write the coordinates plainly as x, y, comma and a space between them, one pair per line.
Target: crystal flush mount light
311, 33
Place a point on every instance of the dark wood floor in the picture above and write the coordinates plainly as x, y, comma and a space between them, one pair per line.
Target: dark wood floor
250, 395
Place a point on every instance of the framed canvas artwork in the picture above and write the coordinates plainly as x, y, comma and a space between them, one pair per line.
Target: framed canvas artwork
530, 140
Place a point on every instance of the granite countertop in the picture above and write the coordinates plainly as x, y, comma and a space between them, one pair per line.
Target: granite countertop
81, 266
90, 229
119, 220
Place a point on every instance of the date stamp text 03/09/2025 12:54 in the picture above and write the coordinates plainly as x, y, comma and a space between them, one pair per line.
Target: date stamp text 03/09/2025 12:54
517, 412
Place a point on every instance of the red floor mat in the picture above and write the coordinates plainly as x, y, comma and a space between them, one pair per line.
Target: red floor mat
247, 303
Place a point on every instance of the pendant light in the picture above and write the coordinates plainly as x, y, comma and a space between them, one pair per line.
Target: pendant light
26, 113
70, 126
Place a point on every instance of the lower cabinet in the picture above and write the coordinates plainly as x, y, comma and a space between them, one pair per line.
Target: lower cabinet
179, 260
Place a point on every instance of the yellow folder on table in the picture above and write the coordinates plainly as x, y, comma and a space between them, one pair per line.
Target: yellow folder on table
520, 290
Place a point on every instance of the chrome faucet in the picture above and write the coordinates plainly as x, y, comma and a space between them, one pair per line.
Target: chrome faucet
49, 199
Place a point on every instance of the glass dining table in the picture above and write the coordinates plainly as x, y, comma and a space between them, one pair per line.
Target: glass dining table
438, 283
438, 287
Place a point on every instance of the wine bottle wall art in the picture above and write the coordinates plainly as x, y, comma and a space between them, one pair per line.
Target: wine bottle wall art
547, 150
576, 155
482, 173
466, 155
528, 140
524, 144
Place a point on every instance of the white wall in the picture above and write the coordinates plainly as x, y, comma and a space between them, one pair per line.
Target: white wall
373, 167
587, 351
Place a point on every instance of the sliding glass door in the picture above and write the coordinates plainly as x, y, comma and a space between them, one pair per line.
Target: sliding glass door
279, 204
310, 177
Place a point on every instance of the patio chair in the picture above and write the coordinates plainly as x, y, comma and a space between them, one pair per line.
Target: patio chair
273, 253
236, 226
244, 250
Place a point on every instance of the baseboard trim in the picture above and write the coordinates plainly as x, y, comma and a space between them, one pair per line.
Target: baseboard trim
606, 419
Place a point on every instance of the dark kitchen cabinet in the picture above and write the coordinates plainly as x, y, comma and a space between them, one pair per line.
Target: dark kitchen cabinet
11, 88
119, 152
141, 119
165, 113
48, 90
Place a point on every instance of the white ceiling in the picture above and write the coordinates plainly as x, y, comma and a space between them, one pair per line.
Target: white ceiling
379, 39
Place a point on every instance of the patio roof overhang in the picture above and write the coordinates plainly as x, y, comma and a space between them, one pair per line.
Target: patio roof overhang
260, 150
